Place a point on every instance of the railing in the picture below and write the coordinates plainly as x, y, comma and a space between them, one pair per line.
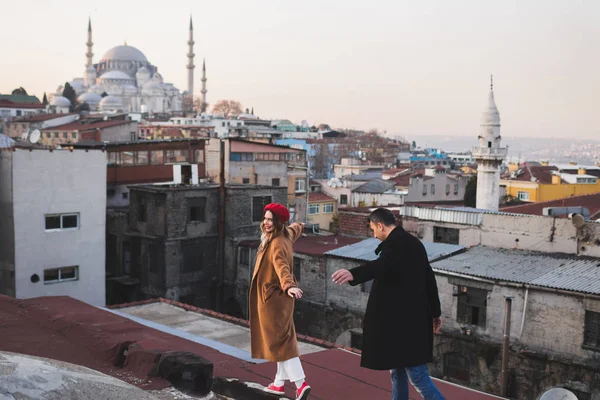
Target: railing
489, 151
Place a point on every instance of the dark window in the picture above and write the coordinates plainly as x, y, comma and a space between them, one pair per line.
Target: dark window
61, 221
62, 274
432, 189
447, 189
246, 181
472, 305
258, 204
53, 222
591, 333
197, 210
69, 221
445, 235
579, 394
456, 366
356, 339
244, 256
343, 199
297, 268
192, 257
275, 182
490, 145
125, 195
142, 211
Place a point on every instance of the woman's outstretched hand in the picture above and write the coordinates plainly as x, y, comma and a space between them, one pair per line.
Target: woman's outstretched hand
295, 292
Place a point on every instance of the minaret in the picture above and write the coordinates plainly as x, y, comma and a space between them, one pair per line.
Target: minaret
190, 64
90, 72
204, 103
489, 156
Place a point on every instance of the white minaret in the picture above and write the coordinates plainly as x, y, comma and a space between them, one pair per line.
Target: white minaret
190, 64
89, 76
204, 103
489, 156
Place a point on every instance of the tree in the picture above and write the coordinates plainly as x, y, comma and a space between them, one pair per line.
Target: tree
104, 94
471, 192
229, 108
45, 100
199, 106
414, 145
84, 107
20, 91
70, 94
187, 105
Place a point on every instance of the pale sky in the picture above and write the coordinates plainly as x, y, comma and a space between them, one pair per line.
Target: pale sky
405, 66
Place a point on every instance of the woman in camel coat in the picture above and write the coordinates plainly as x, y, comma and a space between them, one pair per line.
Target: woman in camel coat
273, 291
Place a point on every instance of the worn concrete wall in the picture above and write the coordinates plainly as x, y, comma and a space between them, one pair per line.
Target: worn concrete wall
415, 189
52, 182
468, 235
258, 173
376, 199
120, 133
313, 278
7, 228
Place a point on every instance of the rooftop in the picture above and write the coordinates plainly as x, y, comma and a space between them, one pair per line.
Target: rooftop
531, 173
551, 270
13, 104
319, 196
41, 117
319, 245
20, 98
244, 146
78, 126
376, 186
589, 201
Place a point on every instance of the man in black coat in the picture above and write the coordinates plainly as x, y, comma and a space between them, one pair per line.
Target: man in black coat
403, 310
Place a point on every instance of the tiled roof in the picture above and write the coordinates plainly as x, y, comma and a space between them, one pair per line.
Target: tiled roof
589, 201
12, 104
401, 180
376, 186
319, 196
40, 117
319, 245
20, 98
365, 250
78, 126
539, 174
553, 270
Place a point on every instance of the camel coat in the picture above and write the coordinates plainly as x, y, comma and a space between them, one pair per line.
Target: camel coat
272, 331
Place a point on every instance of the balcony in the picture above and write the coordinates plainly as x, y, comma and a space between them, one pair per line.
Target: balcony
489, 153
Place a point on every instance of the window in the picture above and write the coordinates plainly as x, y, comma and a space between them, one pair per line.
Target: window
132, 136
456, 188
244, 256
591, 333
74, 135
313, 209
327, 208
275, 182
113, 157
157, 157
245, 181
447, 189
258, 204
175, 156
343, 199
472, 304
197, 209
198, 156
297, 268
141, 208
300, 185
445, 235
61, 222
125, 195
127, 158
456, 366
356, 339
424, 190
523, 195
63, 274
432, 189
56, 134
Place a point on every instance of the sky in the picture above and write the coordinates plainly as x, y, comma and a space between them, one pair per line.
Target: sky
407, 67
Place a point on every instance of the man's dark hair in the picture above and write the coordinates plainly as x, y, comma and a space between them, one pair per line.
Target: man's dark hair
384, 216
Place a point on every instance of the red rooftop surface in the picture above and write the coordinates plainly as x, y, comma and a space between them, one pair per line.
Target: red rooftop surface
78, 126
41, 117
320, 196
319, 245
11, 104
68, 330
589, 201
540, 174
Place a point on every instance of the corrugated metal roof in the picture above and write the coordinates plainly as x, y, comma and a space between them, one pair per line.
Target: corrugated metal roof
375, 186
558, 271
365, 250
442, 215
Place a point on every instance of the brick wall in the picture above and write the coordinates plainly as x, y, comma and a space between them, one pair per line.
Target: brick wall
355, 222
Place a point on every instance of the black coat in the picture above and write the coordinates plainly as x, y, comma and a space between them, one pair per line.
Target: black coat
398, 322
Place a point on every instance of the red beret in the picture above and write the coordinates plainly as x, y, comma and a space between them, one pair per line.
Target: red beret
281, 211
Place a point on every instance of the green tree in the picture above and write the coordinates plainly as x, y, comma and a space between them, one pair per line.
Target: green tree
414, 145
471, 192
45, 100
70, 94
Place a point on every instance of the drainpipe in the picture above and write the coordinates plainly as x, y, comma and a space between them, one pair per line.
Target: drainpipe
221, 272
524, 311
505, 346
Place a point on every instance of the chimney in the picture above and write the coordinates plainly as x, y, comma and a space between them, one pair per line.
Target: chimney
545, 163
556, 179
581, 171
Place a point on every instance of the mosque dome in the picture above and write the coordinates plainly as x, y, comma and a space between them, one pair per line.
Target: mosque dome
110, 103
115, 74
90, 98
142, 71
60, 101
124, 53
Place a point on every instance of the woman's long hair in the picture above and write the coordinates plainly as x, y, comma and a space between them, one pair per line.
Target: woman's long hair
278, 229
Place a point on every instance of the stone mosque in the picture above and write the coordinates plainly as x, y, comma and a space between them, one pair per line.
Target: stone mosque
130, 82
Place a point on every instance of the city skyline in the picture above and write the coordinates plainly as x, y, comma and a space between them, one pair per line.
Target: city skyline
406, 68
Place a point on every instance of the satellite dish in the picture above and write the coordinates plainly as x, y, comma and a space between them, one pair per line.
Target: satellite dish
558, 394
35, 136
25, 134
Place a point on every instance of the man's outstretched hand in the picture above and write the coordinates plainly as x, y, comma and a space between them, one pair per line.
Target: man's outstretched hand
437, 324
342, 276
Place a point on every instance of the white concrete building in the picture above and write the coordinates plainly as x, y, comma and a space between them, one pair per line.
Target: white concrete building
53, 223
489, 156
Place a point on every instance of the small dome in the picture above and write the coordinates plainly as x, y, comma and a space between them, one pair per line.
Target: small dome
60, 101
124, 53
119, 75
143, 71
158, 77
76, 85
90, 98
90, 69
110, 102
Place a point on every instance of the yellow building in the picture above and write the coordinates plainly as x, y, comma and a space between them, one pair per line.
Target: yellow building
546, 183
321, 210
